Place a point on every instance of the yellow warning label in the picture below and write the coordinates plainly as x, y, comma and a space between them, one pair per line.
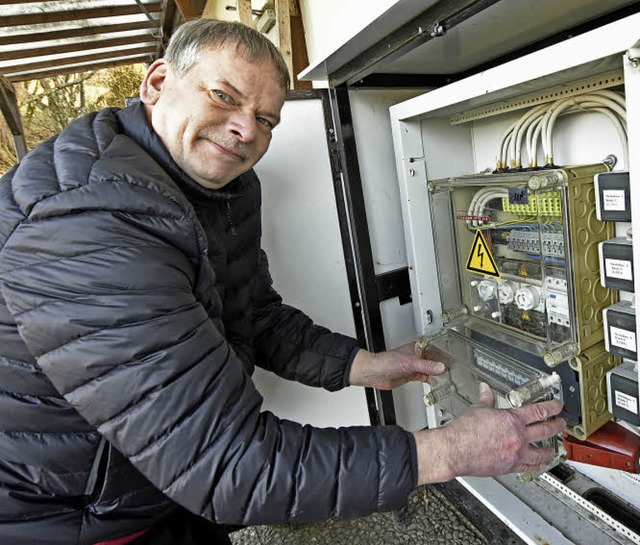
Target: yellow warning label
480, 258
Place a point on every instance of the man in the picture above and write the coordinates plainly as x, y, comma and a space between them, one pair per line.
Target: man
135, 303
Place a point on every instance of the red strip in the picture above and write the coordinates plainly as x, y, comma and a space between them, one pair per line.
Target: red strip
122, 540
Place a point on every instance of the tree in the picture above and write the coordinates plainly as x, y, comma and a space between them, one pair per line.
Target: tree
48, 105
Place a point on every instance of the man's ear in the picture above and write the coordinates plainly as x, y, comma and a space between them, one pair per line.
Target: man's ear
153, 82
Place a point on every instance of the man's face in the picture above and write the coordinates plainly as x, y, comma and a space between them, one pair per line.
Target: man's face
215, 120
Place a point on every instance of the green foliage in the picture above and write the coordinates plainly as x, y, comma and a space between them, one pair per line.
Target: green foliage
48, 105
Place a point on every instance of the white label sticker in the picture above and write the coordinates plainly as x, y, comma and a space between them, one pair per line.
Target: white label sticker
613, 200
558, 304
627, 402
618, 268
623, 338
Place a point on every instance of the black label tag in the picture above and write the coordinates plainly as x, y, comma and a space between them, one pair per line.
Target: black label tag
518, 195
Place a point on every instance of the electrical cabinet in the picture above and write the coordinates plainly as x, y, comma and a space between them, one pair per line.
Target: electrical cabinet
513, 267
513, 211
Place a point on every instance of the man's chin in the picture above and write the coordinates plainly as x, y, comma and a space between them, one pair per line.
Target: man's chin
210, 180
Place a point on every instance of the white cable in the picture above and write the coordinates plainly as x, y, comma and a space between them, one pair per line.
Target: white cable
486, 198
533, 133
608, 103
505, 150
550, 118
473, 204
480, 200
539, 122
503, 138
611, 95
619, 126
545, 122
519, 130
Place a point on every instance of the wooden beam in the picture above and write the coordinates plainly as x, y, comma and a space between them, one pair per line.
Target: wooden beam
283, 20
17, 39
298, 48
72, 48
9, 2
190, 9
52, 63
170, 17
36, 18
27, 76
11, 113
244, 12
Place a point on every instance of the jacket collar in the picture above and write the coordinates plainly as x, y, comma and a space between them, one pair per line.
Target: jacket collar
134, 123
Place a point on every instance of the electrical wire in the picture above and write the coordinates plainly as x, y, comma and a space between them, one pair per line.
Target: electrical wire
519, 131
538, 124
559, 106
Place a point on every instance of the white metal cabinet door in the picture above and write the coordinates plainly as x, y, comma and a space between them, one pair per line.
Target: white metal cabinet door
301, 236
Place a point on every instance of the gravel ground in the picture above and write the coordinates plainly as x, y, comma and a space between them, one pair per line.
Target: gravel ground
428, 519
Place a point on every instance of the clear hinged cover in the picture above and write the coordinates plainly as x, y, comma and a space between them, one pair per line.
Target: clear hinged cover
469, 362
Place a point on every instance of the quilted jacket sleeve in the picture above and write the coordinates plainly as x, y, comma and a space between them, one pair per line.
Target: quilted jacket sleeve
292, 346
106, 301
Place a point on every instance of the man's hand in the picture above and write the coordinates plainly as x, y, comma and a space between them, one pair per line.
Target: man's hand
388, 370
485, 441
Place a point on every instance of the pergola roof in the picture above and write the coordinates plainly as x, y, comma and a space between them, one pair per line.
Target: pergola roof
40, 39
45, 38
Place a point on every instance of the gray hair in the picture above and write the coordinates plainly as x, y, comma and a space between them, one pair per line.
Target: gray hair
187, 42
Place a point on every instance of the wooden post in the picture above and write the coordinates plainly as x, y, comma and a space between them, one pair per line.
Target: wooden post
283, 18
190, 9
299, 47
244, 12
11, 112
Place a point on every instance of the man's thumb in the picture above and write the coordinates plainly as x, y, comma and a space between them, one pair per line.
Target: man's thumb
486, 396
432, 367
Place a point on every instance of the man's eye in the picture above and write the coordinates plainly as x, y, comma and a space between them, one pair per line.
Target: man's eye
265, 122
221, 95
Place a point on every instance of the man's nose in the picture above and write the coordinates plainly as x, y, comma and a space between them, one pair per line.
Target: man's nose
242, 125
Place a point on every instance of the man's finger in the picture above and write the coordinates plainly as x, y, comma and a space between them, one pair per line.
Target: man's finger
542, 430
534, 457
539, 411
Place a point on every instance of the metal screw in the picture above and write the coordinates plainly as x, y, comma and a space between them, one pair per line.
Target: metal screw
437, 30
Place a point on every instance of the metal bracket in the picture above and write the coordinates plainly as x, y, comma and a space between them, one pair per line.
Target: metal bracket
394, 284
633, 54
437, 30
586, 85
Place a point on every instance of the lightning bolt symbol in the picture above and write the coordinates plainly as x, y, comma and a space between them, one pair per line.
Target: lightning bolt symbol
480, 254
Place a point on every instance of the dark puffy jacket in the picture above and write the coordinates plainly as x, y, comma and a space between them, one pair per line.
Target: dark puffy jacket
133, 306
